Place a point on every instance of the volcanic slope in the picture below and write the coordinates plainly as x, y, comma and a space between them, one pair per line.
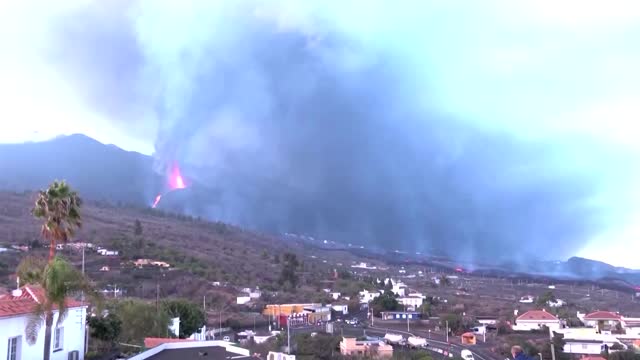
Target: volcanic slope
201, 251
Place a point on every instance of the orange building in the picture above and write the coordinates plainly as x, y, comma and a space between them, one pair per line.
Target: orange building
376, 349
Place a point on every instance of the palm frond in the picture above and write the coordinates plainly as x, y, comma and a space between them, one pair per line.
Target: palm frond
31, 270
34, 324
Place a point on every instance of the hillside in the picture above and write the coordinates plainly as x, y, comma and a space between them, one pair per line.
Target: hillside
200, 252
98, 171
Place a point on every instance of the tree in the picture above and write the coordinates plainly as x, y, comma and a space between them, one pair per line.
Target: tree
191, 316
385, 302
557, 341
545, 298
289, 267
454, 321
105, 328
425, 309
59, 207
59, 280
444, 281
320, 346
137, 228
140, 320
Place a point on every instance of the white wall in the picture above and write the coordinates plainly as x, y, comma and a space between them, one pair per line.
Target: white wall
344, 309
583, 348
73, 336
524, 325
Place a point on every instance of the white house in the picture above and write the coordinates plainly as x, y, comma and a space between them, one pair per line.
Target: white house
535, 320
631, 325
340, 308
412, 301
399, 289
527, 299
280, 356
556, 303
589, 346
487, 320
67, 338
335, 295
366, 296
105, 252
252, 293
606, 318
242, 300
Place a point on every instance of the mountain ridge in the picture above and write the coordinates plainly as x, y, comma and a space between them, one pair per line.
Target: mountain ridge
106, 172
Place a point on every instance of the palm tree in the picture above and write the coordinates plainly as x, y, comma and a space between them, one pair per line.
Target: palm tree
58, 280
59, 206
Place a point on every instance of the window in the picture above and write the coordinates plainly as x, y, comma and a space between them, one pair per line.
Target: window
13, 348
58, 339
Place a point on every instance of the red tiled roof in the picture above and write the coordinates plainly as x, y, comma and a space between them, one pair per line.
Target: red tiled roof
26, 302
537, 315
602, 315
592, 358
153, 342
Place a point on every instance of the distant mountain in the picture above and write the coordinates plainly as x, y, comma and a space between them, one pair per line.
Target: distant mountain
106, 172
96, 170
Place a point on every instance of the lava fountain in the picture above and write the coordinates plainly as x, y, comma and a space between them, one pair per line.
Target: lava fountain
175, 182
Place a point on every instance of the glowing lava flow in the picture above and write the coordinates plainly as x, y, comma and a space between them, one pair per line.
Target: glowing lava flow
156, 201
175, 182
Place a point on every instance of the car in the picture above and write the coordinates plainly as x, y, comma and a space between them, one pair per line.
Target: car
226, 338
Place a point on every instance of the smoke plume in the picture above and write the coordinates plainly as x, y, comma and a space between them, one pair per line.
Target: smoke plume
314, 118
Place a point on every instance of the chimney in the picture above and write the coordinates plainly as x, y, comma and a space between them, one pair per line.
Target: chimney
16, 293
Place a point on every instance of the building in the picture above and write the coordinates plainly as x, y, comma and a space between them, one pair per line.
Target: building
105, 252
557, 303
487, 320
152, 342
335, 295
280, 356
631, 325
366, 296
468, 338
375, 348
67, 339
193, 350
363, 265
399, 289
586, 346
145, 262
243, 300
528, 299
400, 315
536, 320
411, 301
340, 308
298, 313
602, 319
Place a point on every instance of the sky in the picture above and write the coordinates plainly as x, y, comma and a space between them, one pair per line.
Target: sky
545, 72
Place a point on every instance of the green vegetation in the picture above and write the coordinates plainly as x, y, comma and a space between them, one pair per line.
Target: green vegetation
320, 347
105, 329
545, 298
384, 302
59, 207
191, 315
59, 280
139, 320
288, 276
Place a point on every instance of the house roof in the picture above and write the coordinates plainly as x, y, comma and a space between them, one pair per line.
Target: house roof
151, 342
25, 303
196, 350
537, 315
602, 315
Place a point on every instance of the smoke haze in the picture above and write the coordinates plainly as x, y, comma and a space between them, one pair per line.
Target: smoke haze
332, 120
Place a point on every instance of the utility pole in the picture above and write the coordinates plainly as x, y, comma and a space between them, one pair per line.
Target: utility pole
447, 330
157, 295
289, 339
